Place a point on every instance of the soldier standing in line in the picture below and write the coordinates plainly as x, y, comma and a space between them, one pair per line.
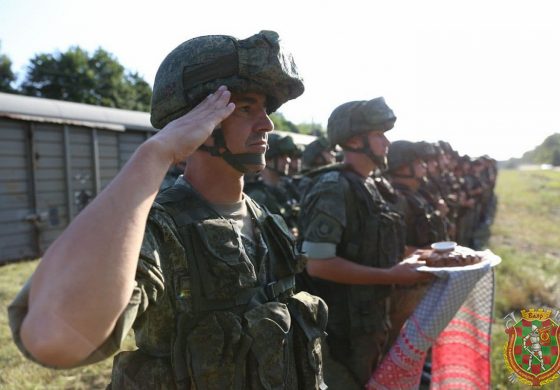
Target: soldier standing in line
354, 244
406, 172
449, 184
429, 187
316, 155
272, 187
469, 191
294, 169
204, 275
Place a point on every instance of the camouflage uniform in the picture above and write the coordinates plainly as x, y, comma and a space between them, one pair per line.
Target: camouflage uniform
283, 198
313, 159
237, 323
424, 225
213, 307
345, 210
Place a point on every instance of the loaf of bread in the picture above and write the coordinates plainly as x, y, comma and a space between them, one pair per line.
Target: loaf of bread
458, 257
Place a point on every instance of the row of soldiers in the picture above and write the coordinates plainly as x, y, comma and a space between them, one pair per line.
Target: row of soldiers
418, 194
424, 192
442, 194
207, 277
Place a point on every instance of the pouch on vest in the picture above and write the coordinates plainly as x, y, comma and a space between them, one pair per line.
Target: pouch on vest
268, 325
217, 348
389, 240
137, 370
310, 315
228, 268
276, 233
212, 351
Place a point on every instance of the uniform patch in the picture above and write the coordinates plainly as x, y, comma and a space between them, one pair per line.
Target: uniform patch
323, 228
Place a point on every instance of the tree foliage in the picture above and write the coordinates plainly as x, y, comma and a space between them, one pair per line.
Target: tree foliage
545, 152
281, 123
76, 76
7, 77
312, 129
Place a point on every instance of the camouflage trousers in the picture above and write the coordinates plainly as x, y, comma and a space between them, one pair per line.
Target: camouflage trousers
350, 362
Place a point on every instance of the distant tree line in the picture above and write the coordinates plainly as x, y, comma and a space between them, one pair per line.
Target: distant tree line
78, 76
98, 79
546, 153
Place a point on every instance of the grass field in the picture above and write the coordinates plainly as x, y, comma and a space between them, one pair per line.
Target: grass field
526, 234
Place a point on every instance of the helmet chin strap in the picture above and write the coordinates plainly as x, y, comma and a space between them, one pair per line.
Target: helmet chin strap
274, 167
379, 161
239, 161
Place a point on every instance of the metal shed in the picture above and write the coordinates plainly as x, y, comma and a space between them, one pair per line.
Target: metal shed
55, 157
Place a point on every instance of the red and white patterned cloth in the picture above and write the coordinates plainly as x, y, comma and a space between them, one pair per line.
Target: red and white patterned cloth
454, 318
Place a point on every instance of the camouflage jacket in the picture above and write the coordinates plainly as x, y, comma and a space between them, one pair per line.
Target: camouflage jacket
219, 314
345, 209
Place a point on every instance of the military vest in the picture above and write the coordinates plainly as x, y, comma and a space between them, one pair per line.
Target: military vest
373, 236
233, 328
282, 200
424, 225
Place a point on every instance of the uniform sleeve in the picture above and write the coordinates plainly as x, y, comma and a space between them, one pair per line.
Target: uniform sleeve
324, 210
149, 287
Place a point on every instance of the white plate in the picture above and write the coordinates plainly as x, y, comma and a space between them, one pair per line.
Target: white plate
488, 257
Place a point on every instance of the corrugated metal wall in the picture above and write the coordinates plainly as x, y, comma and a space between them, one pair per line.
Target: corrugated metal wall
48, 173
17, 236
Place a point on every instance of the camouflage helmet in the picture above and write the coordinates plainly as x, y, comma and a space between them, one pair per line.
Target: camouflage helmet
426, 150
200, 65
401, 153
446, 147
280, 146
298, 151
313, 151
359, 117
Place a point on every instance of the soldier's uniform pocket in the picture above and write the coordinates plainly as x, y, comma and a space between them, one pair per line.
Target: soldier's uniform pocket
310, 321
269, 325
136, 370
279, 235
211, 352
227, 267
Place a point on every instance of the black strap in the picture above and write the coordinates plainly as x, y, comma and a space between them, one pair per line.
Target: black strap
238, 161
260, 294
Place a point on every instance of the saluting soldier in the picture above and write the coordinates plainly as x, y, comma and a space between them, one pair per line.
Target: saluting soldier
203, 274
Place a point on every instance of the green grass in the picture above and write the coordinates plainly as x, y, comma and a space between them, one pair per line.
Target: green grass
16, 372
526, 234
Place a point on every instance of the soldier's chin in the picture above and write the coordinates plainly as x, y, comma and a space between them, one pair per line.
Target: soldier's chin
254, 168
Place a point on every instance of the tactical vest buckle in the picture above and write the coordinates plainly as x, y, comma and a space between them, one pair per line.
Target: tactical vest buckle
273, 289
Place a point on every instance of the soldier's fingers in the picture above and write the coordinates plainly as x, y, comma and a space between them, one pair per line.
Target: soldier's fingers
220, 97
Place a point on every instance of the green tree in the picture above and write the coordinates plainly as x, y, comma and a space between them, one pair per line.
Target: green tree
281, 123
7, 77
76, 76
543, 154
312, 129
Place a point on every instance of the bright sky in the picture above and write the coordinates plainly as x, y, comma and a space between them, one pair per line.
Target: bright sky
481, 74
